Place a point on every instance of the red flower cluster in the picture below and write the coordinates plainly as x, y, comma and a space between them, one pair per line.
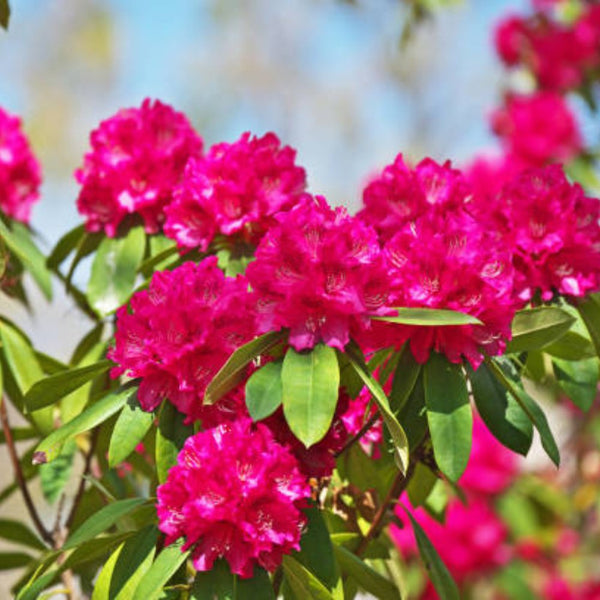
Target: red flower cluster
177, 334
20, 175
560, 55
137, 156
235, 190
318, 272
235, 493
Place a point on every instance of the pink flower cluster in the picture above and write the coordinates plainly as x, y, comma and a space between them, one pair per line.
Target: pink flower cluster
137, 156
236, 189
318, 272
177, 334
473, 540
560, 55
20, 175
439, 256
235, 493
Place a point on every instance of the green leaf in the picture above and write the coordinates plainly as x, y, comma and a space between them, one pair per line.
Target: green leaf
34, 587
170, 437
97, 548
571, 346
405, 378
24, 367
15, 531
162, 248
129, 430
534, 328
506, 374
65, 245
95, 414
396, 431
114, 270
87, 343
302, 582
55, 475
162, 569
264, 391
310, 382
119, 577
216, 584
501, 413
449, 415
579, 380
430, 317
589, 309
18, 239
421, 484
440, 577
14, 560
18, 433
4, 13
99, 522
413, 414
233, 371
85, 246
368, 579
49, 390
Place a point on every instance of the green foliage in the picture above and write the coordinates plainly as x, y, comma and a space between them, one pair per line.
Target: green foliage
170, 437
535, 328
429, 317
4, 13
264, 391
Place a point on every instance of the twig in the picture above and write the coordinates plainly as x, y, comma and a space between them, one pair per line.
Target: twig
355, 438
398, 486
12, 451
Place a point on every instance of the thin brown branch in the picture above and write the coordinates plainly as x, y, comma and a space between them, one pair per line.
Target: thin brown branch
398, 486
355, 438
21, 482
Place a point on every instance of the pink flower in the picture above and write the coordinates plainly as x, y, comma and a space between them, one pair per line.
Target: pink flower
235, 189
360, 410
487, 174
537, 129
20, 175
401, 194
318, 272
235, 494
177, 334
137, 156
554, 231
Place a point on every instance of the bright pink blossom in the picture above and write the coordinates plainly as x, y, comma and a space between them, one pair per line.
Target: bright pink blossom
318, 272
137, 156
360, 410
235, 189
554, 232
235, 493
401, 194
537, 129
177, 334
20, 175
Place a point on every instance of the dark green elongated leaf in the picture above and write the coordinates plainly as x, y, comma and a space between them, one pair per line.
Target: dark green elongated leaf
310, 383
118, 579
218, 583
264, 391
501, 413
49, 364
65, 245
413, 414
161, 570
258, 586
421, 484
97, 548
405, 378
89, 341
302, 582
161, 254
507, 376
32, 590
99, 522
129, 430
170, 437
432, 317
396, 431
55, 475
440, 577
449, 415
25, 369
534, 328
232, 372
4, 13
579, 380
51, 389
18, 433
18, 239
114, 270
14, 560
15, 531
95, 414
589, 309
366, 577
85, 246
571, 346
